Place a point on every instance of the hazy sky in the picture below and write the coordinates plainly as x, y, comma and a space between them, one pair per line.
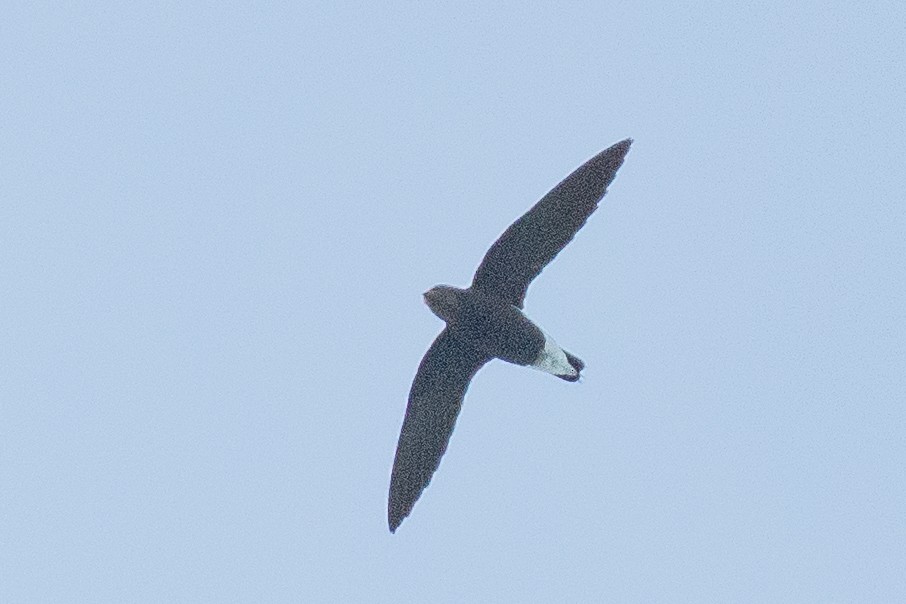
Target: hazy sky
216, 223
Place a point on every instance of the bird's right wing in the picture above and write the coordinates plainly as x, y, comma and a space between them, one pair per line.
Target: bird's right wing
531, 242
434, 402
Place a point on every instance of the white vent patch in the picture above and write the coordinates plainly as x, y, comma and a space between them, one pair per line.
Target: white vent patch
553, 360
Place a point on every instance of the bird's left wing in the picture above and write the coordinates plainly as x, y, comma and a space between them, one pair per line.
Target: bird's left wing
434, 402
531, 242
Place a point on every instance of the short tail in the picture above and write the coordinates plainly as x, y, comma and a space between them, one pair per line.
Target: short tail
577, 364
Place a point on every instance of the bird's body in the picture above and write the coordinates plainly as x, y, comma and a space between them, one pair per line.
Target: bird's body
486, 321
499, 329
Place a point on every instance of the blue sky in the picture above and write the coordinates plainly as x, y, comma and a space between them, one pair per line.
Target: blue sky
217, 222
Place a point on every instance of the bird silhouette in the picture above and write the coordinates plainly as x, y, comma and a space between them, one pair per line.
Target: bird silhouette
485, 321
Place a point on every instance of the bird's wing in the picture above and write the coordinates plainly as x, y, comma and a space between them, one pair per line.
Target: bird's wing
434, 402
537, 237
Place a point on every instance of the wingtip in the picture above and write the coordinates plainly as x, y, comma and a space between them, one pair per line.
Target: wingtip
603, 166
612, 157
395, 516
622, 147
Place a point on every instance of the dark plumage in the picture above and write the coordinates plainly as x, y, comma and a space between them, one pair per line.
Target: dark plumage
485, 321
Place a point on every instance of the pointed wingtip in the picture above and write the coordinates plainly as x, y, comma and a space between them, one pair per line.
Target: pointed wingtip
394, 523
610, 158
621, 147
603, 166
395, 515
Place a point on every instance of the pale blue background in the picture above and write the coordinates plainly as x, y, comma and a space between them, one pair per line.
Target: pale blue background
217, 223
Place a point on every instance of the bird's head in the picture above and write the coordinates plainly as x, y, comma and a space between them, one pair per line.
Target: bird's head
444, 301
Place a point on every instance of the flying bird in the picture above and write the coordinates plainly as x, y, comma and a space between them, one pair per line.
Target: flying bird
485, 321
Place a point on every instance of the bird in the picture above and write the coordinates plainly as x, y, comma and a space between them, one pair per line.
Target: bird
486, 321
